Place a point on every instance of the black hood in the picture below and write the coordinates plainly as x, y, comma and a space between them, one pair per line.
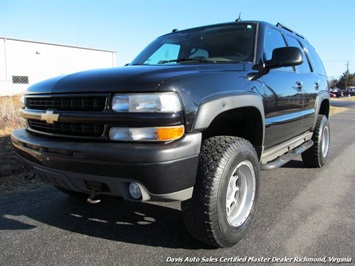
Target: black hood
121, 79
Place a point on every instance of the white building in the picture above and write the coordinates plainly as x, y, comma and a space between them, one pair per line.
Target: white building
23, 63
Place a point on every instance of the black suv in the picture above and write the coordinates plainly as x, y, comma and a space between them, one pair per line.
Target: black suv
193, 118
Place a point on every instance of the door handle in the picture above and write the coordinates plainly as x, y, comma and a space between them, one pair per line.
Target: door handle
299, 85
316, 85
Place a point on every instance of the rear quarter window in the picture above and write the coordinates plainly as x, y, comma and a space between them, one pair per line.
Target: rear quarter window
316, 62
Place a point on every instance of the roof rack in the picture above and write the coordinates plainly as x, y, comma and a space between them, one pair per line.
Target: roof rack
278, 24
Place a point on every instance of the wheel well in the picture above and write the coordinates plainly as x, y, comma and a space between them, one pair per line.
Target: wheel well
243, 122
324, 108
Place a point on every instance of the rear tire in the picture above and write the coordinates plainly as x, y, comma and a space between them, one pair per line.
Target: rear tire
317, 155
226, 191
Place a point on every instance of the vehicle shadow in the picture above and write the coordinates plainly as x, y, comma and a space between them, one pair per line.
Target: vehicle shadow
294, 164
10, 163
151, 224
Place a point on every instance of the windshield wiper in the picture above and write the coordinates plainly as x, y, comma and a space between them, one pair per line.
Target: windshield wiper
198, 59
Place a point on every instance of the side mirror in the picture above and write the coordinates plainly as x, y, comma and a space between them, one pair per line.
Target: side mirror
284, 57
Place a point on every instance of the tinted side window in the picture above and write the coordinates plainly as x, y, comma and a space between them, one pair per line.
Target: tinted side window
304, 67
315, 59
274, 39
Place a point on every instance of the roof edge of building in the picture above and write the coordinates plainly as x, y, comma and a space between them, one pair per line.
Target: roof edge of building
55, 44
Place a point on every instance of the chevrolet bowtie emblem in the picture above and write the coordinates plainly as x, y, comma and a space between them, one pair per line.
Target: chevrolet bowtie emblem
50, 117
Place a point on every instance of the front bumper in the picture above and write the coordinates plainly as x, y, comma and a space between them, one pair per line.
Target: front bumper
163, 171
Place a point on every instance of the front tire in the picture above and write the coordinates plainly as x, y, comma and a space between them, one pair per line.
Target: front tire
226, 191
317, 155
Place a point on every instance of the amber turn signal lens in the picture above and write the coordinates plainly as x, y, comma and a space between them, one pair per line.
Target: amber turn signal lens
170, 133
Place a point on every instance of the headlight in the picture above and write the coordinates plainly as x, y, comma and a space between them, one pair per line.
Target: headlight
144, 102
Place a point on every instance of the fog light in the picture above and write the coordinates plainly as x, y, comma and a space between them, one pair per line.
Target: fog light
134, 190
147, 133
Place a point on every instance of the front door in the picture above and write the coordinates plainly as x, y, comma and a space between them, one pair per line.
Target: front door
283, 97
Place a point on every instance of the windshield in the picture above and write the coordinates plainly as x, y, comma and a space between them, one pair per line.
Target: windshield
215, 44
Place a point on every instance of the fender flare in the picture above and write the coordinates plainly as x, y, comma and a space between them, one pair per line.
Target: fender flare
209, 110
321, 97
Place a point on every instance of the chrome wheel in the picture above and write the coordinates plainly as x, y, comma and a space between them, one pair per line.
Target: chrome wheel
240, 193
325, 141
225, 195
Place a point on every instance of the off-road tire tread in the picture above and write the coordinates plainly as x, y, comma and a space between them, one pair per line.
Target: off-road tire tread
198, 212
311, 157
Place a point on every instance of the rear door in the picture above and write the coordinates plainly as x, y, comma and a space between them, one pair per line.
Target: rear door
311, 84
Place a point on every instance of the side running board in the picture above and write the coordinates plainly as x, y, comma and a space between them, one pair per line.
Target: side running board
288, 156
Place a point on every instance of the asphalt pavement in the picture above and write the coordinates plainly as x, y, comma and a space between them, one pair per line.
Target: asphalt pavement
304, 216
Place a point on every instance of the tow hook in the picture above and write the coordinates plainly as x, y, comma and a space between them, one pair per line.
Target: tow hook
92, 198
